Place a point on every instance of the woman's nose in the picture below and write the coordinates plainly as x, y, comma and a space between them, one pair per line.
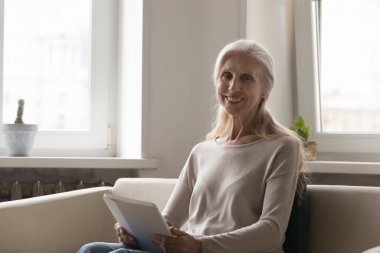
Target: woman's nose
234, 84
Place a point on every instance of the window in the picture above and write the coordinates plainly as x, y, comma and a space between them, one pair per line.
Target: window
47, 60
338, 72
60, 57
349, 56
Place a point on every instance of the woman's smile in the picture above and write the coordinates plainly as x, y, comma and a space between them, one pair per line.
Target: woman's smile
234, 99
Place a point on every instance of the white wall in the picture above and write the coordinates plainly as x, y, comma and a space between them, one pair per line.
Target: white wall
185, 37
271, 23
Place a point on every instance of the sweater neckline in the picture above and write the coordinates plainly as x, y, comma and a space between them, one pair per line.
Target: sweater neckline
237, 145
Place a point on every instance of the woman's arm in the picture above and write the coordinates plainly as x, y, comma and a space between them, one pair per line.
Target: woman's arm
176, 211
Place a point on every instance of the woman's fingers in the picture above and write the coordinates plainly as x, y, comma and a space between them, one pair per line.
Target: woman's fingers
124, 236
127, 239
178, 242
117, 226
159, 240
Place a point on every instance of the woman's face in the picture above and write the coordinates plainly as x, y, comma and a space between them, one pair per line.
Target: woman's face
239, 87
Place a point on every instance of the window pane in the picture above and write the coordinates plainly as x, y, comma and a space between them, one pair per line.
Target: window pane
350, 66
47, 50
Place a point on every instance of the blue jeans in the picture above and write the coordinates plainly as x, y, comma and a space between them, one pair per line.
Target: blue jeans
106, 247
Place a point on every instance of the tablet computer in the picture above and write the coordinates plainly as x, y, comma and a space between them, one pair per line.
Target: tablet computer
142, 219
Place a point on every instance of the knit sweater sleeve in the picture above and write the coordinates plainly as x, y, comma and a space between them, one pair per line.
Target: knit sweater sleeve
176, 211
267, 233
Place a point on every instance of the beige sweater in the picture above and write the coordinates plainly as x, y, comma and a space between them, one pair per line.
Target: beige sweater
237, 198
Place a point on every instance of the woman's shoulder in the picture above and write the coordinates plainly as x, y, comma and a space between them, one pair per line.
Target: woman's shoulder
206, 144
199, 150
286, 142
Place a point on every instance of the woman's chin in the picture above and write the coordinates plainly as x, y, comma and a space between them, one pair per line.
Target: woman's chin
233, 112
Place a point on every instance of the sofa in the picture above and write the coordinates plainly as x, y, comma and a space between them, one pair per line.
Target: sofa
342, 219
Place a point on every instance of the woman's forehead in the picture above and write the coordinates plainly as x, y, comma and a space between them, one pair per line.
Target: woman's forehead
240, 61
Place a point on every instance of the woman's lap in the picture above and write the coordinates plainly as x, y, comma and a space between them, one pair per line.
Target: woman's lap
106, 247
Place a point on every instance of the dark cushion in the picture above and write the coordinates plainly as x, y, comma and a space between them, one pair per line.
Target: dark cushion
297, 233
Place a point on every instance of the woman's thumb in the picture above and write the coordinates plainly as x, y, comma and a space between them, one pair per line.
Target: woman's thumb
176, 231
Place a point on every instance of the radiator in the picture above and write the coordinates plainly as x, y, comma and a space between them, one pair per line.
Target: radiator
19, 190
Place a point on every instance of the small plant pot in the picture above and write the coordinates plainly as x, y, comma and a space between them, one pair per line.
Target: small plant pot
19, 138
310, 150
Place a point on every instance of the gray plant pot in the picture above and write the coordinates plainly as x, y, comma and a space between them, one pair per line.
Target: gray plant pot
19, 138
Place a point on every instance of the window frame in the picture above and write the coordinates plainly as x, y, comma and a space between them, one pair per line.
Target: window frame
99, 140
308, 88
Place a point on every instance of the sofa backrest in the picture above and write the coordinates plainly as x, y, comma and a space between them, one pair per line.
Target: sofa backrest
343, 219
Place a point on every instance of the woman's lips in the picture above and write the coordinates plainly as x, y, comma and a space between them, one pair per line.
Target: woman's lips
234, 99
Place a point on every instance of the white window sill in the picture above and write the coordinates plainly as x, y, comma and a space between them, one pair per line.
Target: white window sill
362, 168
78, 162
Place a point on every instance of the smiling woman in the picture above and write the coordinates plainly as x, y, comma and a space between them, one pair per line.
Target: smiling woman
247, 152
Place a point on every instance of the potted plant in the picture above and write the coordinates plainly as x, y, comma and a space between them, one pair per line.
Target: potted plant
302, 130
19, 137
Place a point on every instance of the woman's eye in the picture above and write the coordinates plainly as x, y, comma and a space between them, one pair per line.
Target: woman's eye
247, 78
226, 76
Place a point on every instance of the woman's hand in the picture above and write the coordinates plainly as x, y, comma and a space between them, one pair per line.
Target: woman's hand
178, 242
124, 236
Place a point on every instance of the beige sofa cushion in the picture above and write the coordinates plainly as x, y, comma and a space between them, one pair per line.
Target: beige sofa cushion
344, 219
155, 190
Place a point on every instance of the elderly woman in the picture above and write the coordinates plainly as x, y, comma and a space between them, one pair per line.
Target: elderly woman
236, 190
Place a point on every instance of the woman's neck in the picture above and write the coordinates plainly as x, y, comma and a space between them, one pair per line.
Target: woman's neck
245, 139
241, 132
241, 126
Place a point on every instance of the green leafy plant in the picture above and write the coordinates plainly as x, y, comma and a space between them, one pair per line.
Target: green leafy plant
301, 129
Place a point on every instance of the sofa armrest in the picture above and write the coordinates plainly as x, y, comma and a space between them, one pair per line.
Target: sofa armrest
58, 223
